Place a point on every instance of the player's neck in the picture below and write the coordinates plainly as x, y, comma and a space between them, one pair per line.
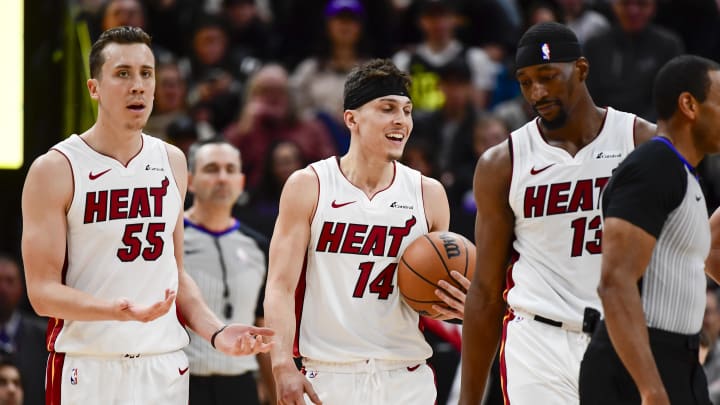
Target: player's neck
369, 174
582, 127
212, 219
121, 145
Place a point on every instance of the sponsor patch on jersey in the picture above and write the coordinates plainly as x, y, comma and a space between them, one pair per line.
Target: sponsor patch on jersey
396, 204
609, 154
155, 168
74, 376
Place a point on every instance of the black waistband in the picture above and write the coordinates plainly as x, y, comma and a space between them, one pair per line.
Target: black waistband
659, 336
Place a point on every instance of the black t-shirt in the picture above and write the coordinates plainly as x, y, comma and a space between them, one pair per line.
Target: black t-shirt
646, 187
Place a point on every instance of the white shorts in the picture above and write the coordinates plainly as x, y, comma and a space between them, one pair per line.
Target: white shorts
540, 363
373, 382
142, 380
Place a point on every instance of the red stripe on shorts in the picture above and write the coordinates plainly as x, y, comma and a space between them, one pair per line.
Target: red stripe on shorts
53, 378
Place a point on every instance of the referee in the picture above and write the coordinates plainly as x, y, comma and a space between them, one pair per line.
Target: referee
656, 238
228, 261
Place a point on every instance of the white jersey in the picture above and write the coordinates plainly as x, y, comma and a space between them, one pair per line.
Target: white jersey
351, 308
120, 244
556, 201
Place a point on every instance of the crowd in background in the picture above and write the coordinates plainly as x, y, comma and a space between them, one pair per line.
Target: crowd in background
267, 75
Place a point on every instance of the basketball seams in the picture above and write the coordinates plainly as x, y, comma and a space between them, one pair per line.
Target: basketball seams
418, 274
442, 258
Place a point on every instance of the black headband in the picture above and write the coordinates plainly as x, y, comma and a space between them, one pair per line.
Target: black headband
546, 52
379, 87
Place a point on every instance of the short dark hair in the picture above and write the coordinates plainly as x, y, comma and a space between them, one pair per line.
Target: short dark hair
192, 152
117, 35
684, 73
375, 73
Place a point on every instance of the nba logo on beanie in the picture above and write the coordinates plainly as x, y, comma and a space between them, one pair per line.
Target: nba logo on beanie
545, 48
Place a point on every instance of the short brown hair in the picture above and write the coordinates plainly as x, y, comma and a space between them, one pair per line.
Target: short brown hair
118, 35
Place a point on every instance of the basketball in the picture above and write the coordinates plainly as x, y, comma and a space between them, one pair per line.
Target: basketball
429, 259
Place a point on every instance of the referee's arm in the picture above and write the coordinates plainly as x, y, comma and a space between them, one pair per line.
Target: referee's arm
627, 250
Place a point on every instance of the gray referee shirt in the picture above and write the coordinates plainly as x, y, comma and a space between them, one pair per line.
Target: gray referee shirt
230, 268
655, 190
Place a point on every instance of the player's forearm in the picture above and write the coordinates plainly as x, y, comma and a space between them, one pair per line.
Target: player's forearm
56, 300
480, 337
198, 316
280, 316
626, 325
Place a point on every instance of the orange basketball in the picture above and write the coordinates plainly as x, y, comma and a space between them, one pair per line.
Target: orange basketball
427, 260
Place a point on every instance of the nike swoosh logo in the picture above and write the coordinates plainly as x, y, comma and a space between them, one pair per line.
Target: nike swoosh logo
182, 371
698, 197
92, 176
534, 171
336, 205
413, 368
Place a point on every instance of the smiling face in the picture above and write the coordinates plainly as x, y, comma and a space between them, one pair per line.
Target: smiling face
382, 126
125, 86
550, 90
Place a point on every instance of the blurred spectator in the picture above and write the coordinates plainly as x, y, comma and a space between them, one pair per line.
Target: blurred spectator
489, 130
320, 78
248, 33
170, 23
269, 115
11, 386
539, 11
116, 13
419, 154
440, 47
626, 57
584, 21
215, 74
261, 207
21, 335
711, 334
515, 112
183, 132
449, 129
170, 99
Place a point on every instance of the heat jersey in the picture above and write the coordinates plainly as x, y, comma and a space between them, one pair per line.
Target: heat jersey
120, 244
351, 306
555, 199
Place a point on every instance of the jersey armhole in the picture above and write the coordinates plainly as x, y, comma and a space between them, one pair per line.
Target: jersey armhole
72, 179
166, 157
317, 199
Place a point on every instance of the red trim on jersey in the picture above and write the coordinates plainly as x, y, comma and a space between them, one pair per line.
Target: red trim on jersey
635, 141
509, 316
509, 283
53, 378
422, 199
337, 159
299, 301
142, 145
317, 201
512, 163
72, 176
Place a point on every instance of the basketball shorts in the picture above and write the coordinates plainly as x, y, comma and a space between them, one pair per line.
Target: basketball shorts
376, 382
540, 362
123, 380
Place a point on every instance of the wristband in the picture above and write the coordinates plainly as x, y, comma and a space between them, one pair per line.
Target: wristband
214, 335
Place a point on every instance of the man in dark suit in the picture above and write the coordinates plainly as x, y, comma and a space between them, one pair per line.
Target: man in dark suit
22, 335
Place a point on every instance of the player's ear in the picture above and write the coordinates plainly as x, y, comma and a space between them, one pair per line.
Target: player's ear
583, 68
92, 85
349, 118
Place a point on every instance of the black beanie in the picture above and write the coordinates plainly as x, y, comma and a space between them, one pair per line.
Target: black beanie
548, 42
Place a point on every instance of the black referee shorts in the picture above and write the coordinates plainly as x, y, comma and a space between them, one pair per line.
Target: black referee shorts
604, 379
222, 389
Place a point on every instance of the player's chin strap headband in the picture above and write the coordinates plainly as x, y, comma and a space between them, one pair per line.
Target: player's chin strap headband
547, 52
384, 86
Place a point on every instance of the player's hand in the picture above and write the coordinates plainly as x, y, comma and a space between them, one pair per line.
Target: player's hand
127, 311
291, 386
453, 297
242, 340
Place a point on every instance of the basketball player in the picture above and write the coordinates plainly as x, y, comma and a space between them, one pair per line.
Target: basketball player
655, 244
537, 197
343, 225
102, 244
